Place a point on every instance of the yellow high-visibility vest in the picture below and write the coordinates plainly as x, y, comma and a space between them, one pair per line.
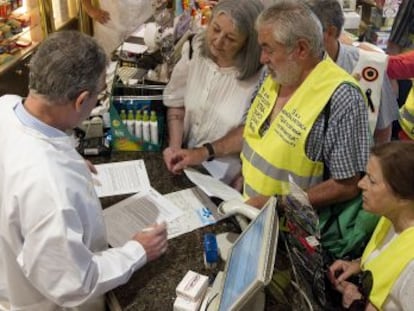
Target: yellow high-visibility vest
406, 118
400, 252
269, 159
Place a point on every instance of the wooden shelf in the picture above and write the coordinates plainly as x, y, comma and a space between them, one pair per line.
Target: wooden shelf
17, 57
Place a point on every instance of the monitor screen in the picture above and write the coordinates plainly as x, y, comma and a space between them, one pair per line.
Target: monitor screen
251, 261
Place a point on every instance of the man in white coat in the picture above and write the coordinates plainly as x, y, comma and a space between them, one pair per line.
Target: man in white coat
53, 249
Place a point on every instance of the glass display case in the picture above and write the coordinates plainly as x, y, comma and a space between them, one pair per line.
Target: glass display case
23, 25
20, 30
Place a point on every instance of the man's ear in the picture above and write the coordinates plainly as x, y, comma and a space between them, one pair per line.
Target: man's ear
302, 48
80, 100
332, 31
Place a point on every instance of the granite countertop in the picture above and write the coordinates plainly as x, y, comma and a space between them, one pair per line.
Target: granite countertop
153, 286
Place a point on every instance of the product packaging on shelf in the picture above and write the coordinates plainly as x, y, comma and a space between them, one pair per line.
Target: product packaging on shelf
137, 124
137, 113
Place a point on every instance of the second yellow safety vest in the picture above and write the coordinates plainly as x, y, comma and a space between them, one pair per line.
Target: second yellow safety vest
406, 118
388, 265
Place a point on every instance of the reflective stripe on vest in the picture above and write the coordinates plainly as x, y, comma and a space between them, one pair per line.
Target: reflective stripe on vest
268, 160
275, 173
400, 252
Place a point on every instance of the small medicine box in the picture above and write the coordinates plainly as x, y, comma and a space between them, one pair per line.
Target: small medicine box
192, 287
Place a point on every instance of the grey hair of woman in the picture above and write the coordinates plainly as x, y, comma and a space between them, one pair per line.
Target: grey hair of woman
243, 14
329, 13
66, 64
293, 20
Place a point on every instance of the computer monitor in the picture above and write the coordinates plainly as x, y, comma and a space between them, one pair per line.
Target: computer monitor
251, 260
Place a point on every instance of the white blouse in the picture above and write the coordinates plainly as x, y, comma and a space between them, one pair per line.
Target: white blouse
215, 101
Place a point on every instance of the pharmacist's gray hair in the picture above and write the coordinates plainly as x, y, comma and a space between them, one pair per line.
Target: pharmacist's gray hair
293, 20
243, 13
66, 64
329, 13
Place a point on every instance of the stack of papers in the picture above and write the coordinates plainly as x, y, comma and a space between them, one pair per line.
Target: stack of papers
121, 178
212, 186
183, 211
137, 212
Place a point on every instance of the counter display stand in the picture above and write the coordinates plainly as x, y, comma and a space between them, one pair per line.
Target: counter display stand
136, 110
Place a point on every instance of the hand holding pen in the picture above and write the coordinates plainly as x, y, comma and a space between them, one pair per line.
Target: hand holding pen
154, 240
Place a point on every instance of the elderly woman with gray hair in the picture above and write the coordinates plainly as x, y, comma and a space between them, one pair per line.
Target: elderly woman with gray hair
211, 87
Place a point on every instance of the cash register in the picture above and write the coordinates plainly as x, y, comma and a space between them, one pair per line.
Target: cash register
249, 267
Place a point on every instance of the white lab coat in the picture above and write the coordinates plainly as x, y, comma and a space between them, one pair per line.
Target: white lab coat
126, 16
53, 249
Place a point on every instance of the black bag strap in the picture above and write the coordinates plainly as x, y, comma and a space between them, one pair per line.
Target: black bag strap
326, 114
326, 172
190, 41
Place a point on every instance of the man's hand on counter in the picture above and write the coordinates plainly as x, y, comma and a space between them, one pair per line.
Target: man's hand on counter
154, 240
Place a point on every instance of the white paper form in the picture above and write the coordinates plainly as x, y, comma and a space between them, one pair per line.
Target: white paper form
121, 178
213, 187
135, 213
225, 169
198, 211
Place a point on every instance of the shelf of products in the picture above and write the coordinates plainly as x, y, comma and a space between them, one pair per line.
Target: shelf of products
377, 20
36, 19
20, 31
25, 23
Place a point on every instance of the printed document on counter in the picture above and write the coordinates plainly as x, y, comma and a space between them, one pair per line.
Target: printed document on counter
198, 211
137, 212
212, 186
121, 178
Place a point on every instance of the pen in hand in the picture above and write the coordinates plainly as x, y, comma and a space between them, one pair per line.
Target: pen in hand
152, 227
154, 240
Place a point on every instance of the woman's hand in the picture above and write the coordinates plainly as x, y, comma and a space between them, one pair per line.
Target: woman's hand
350, 293
171, 157
179, 159
341, 270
